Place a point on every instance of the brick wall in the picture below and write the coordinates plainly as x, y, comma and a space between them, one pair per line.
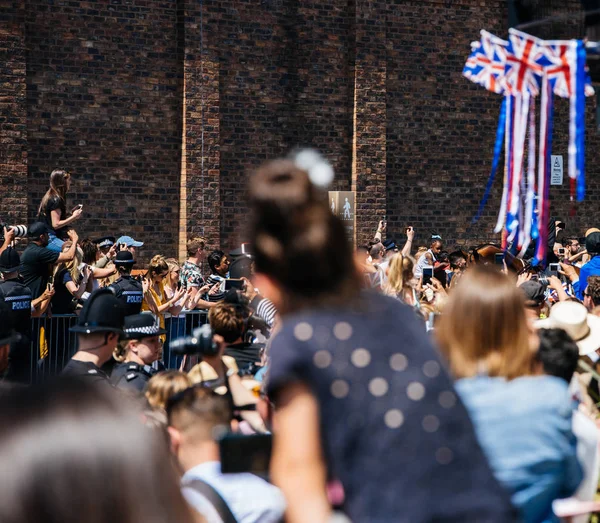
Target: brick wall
104, 89
13, 115
162, 108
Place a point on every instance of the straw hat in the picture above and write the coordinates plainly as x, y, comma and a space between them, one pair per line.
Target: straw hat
573, 318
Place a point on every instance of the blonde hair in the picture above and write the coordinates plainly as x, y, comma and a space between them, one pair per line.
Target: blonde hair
484, 327
399, 274
157, 265
164, 385
72, 265
172, 263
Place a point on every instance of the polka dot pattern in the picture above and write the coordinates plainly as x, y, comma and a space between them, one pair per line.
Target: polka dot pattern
415, 391
340, 389
393, 418
444, 456
360, 358
322, 359
378, 387
303, 331
431, 423
431, 369
447, 399
398, 362
342, 331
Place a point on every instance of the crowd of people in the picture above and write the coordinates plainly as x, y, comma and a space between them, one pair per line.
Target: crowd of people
401, 382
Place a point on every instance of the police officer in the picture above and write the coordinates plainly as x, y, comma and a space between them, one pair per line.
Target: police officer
143, 349
99, 325
127, 289
17, 297
8, 337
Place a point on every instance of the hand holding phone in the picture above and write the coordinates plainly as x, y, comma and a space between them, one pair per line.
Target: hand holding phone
427, 275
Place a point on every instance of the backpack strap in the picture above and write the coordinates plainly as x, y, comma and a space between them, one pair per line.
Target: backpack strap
215, 499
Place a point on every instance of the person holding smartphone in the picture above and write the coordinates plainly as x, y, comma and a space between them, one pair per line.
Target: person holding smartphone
53, 209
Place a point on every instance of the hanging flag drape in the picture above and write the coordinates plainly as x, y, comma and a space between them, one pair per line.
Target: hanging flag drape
521, 68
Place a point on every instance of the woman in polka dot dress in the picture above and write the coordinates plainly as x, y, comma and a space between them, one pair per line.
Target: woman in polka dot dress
359, 391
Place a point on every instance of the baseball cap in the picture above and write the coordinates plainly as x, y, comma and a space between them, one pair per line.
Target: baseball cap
534, 291
37, 229
592, 243
9, 260
129, 241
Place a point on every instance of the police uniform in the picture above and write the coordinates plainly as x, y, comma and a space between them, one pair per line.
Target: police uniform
130, 292
132, 376
17, 296
101, 313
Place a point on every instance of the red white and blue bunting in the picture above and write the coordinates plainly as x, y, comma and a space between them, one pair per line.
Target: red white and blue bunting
522, 68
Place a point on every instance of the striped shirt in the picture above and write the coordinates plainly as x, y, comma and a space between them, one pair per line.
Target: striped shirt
220, 294
266, 310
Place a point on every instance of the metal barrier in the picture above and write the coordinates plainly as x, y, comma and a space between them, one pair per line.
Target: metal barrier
52, 345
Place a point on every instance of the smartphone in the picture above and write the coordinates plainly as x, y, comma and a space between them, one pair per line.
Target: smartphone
553, 269
80, 206
499, 258
238, 285
179, 285
561, 252
240, 453
427, 275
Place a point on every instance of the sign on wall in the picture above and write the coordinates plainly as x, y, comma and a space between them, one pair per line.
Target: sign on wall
343, 205
556, 169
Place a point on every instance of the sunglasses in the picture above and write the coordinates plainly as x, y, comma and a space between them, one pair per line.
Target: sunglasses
163, 275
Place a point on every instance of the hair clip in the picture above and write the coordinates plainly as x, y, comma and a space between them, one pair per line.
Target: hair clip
319, 170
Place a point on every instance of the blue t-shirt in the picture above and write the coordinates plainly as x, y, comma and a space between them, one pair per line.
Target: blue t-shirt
393, 430
524, 427
591, 268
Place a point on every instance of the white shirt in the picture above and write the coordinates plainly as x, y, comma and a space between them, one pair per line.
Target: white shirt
587, 454
250, 498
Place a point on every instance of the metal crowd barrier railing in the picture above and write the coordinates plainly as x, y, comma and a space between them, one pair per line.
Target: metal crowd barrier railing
52, 345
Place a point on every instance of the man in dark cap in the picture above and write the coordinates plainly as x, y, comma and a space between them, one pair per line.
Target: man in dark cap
535, 298
143, 349
127, 289
98, 328
37, 260
591, 268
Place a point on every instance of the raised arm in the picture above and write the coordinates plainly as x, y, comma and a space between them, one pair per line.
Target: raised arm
410, 235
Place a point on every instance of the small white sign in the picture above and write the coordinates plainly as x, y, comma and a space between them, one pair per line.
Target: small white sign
556, 166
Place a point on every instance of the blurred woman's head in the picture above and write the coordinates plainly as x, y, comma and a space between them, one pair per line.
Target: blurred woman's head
303, 256
73, 452
484, 328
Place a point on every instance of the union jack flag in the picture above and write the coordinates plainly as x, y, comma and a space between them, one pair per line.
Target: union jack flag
486, 64
525, 60
558, 61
